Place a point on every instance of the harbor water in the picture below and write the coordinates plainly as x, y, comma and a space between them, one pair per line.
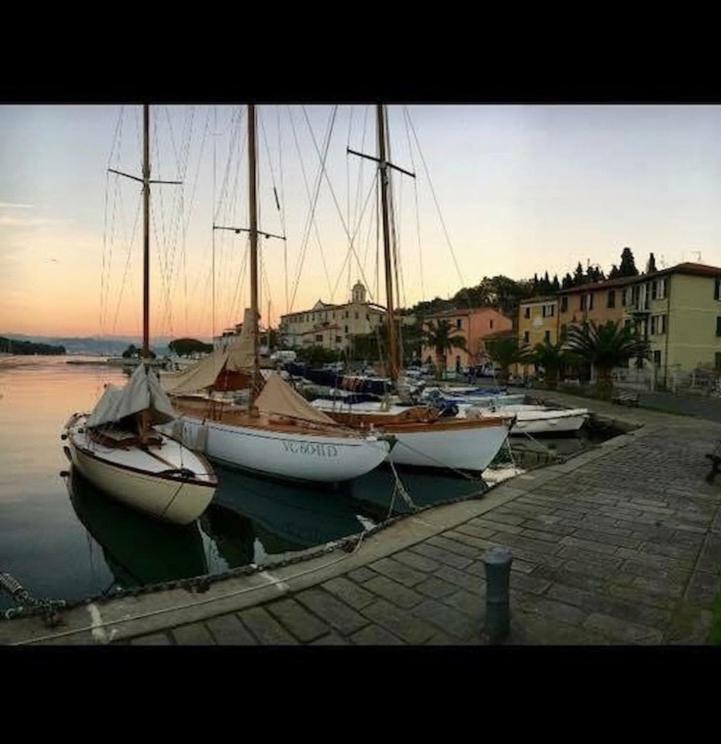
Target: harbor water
63, 539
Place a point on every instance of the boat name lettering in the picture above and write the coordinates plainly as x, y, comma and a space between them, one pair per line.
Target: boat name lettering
310, 448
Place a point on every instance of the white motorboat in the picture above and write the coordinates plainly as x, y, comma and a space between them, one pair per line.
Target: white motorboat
533, 419
154, 473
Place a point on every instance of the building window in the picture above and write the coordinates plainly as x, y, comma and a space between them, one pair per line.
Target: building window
527, 312
338, 339
661, 291
654, 290
661, 324
623, 298
356, 316
718, 326
459, 323
611, 298
627, 323
564, 329
319, 337
717, 289
653, 325
564, 304
525, 337
582, 305
657, 358
490, 324
547, 336
717, 363
590, 301
346, 329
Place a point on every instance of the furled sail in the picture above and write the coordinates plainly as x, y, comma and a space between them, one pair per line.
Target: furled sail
279, 398
143, 392
235, 358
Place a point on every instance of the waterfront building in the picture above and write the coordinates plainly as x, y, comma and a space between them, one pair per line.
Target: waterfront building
475, 325
329, 325
537, 322
678, 310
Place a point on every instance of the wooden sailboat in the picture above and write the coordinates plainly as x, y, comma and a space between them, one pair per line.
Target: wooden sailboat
279, 433
424, 438
115, 447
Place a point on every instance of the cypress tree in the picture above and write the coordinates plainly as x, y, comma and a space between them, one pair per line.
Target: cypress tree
628, 265
578, 277
651, 264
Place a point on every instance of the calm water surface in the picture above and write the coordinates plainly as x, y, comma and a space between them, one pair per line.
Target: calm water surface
63, 539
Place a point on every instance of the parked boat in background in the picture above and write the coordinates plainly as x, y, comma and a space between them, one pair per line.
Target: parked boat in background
532, 419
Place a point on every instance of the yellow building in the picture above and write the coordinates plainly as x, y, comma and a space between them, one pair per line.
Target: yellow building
537, 322
331, 325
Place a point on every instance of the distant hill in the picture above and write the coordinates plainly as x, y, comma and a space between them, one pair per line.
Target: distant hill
93, 345
25, 348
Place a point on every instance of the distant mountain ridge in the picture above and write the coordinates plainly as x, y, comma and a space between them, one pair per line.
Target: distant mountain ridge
94, 345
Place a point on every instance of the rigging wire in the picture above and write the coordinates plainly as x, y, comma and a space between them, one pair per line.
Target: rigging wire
282, 201
415, 197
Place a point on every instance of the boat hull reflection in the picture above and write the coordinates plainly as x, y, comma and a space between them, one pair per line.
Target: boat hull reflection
138, 551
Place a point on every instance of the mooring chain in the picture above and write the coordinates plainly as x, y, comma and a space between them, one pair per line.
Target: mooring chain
47, 607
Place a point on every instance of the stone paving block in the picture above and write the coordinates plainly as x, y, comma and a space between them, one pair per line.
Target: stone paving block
528, 628
391, 590
660, 586
154, 639
195, 634
447, 619
454, 546
440, 555
633, 568
710, 559
441, 639
474, 530
622, 630
690, 626
436, 587
402, 624
228, 630
529, 583
473, 604
477, 545
330, 639
703, 588
545, 526
361, 574
349, 592
399, 572
491, 524
589, 545
671, 551
551, 608
414, 560
649, 559
295, 618
375, 635
635, 593
505, 518
633, 611
332, 611
537, 534
572, 553
265, 627
459, 578
607, 538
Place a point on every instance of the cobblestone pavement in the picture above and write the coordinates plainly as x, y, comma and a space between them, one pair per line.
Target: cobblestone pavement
619, 545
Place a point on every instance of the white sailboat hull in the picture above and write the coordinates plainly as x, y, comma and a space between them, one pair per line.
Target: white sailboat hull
141, 482
465, 449
305, 457
532, 419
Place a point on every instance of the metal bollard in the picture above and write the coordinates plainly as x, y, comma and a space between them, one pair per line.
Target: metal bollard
498, 571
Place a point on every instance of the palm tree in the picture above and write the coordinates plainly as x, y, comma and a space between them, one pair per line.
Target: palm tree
552, 357
606, 346
506, 351
442, 338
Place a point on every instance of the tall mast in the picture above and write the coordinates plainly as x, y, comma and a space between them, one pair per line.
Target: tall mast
393, 356
146, 231
253, 206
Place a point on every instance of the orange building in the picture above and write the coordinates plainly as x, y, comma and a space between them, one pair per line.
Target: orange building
599, 302
474, 324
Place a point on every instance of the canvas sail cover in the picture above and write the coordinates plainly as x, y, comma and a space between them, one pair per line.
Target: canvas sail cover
143, 392
278, 397
236, 358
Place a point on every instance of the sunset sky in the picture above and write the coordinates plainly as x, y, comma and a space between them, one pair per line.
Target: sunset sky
521, 189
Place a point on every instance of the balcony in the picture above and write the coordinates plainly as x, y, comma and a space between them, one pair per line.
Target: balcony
637, 309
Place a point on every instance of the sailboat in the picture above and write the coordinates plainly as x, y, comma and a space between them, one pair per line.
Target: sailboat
424, 437
278, 433
115, 446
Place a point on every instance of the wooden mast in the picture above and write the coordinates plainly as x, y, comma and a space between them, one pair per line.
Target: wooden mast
253, 206
146, 231
393, 356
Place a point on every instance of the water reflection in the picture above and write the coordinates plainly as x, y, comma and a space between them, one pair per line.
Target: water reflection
139, 551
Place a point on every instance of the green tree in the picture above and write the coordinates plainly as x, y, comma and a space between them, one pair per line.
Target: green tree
552, 357
579, 277
186, 346
317, 355
442, 338
506, 351
651, 264
605, 346
628, 265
